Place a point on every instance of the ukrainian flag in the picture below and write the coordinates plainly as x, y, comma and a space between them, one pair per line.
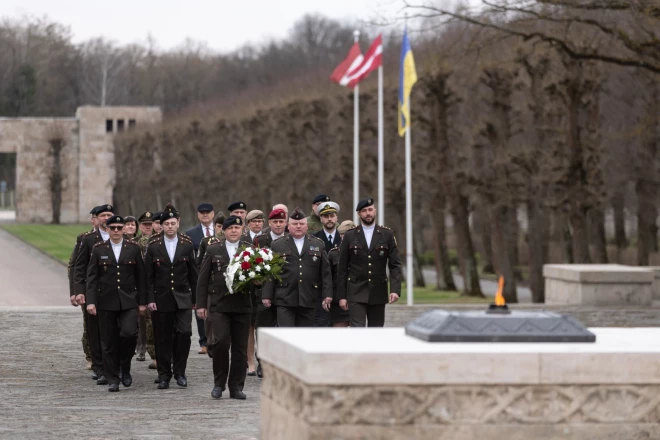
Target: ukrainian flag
407, 78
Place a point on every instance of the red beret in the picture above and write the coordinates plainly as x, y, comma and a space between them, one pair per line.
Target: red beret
277, 214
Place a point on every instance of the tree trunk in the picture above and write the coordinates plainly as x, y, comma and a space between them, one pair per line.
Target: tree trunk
580, 237
597, 217
538, 248
443, 275
646, 214
459, 212
56, 178
499, 216
619, 225
482, 225
513, 235
417, 258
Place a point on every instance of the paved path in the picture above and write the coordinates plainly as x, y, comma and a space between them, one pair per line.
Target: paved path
28, 277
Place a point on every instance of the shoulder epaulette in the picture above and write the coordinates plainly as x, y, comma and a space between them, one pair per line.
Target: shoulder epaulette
214, 243
131, 241
186, 239
85, 234
279, 238
315, 237
154, 238
186, 236
384, 227
98, 244
336, 248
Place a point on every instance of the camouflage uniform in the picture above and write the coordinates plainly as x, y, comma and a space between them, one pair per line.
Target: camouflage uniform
143, 242
69, 271
206, 241
314, 224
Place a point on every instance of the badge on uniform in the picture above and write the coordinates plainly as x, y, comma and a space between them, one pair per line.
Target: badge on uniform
382, 253
314, 248
104, 257
314, 258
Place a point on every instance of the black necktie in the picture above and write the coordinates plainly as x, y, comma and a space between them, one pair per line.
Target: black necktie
330, 238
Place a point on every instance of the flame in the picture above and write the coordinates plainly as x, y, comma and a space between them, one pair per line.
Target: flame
499, 298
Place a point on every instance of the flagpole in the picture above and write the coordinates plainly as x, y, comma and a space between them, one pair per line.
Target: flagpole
381, 155
356, 143
409, 229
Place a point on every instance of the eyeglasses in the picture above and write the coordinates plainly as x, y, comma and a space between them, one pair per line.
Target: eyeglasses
115, 228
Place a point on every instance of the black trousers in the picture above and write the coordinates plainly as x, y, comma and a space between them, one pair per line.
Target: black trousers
94, 341
200, 330
119, 331
321, 317
230, 330
366, 315
173, 342
295, 316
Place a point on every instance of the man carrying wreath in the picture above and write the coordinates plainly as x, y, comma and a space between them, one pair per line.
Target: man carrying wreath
306, 275
229, 314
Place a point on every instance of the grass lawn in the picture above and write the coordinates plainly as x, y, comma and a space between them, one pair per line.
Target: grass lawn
427, 295
56, 240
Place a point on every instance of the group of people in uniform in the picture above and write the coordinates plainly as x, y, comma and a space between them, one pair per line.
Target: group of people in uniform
140, 280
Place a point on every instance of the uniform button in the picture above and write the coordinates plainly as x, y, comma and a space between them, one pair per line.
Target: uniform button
369, 256
172, 281
172, 274
117, 279
172, 288
300, 281
117, 266
369, 264
369, 279
369, 271
300, 273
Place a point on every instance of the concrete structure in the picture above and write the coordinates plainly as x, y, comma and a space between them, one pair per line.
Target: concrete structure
87, 159
381, 384
597, 284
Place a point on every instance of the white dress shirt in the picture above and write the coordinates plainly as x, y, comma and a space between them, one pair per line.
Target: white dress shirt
170, 245
275, 236
369, 232
211, 230
116, 249
331, 235
252, 235
232, 248
300, 242
104, 235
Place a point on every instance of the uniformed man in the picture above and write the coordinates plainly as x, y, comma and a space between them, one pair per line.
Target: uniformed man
206, 241
229, 315
103, 212
338, 316
144, 343
255, 223
157, 229
115, 289
305, 276
72, 294
365, 254
314, 221
171, 285
283, 207
328, 214
267, 316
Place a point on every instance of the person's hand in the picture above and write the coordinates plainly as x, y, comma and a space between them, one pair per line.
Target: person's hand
343, 304
257, 283
326, 303
266, 302
152, 307
394, 297
80, 299
91, 309
202, 314
73, 301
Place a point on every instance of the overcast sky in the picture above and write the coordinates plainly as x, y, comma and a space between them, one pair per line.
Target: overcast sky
223, 24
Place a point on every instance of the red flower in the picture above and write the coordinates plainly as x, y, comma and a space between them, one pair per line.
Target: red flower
245, 265
246, 254
265, 250
259, 260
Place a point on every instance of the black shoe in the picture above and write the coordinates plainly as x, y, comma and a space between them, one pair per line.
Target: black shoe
182, 381
251, 373
240, 395
126, 379
113, 388
216, 393
260, 373
95, 376
101, 380
163, 385
156, 380
141, 358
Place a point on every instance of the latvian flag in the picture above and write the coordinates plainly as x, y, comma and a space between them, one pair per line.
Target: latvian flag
356, 67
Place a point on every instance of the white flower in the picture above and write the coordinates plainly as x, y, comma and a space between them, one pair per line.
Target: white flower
241, 278
229, 276
266, 266
250, 250
258, 268
246, 258
252, 275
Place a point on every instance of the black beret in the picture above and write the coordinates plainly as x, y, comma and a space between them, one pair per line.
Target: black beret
364, 203
297, 214
146, 217
156, 216
321, 198
204, 207
104, 208
232, 220
114, 219
237, 205
93, 211
169, 212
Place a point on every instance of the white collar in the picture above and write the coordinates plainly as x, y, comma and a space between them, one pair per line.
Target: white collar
275, 236
117, 244
171, 240
299, 240
211, 227
371, 228
334, 232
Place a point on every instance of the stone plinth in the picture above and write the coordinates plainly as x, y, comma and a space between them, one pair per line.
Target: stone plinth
597, 284
381, 384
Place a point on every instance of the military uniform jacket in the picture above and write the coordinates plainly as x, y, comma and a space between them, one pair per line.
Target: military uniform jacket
263, 241
116, 285
206, 241
314, 224
305, 276
83, 255
362, 269
333, 259
72, 261
171, 285
212, 292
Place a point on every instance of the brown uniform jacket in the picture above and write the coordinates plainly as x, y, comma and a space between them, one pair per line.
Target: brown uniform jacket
362, 269
171, 285
82, 260
116, 285
212, 291
306, 276
72, 261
